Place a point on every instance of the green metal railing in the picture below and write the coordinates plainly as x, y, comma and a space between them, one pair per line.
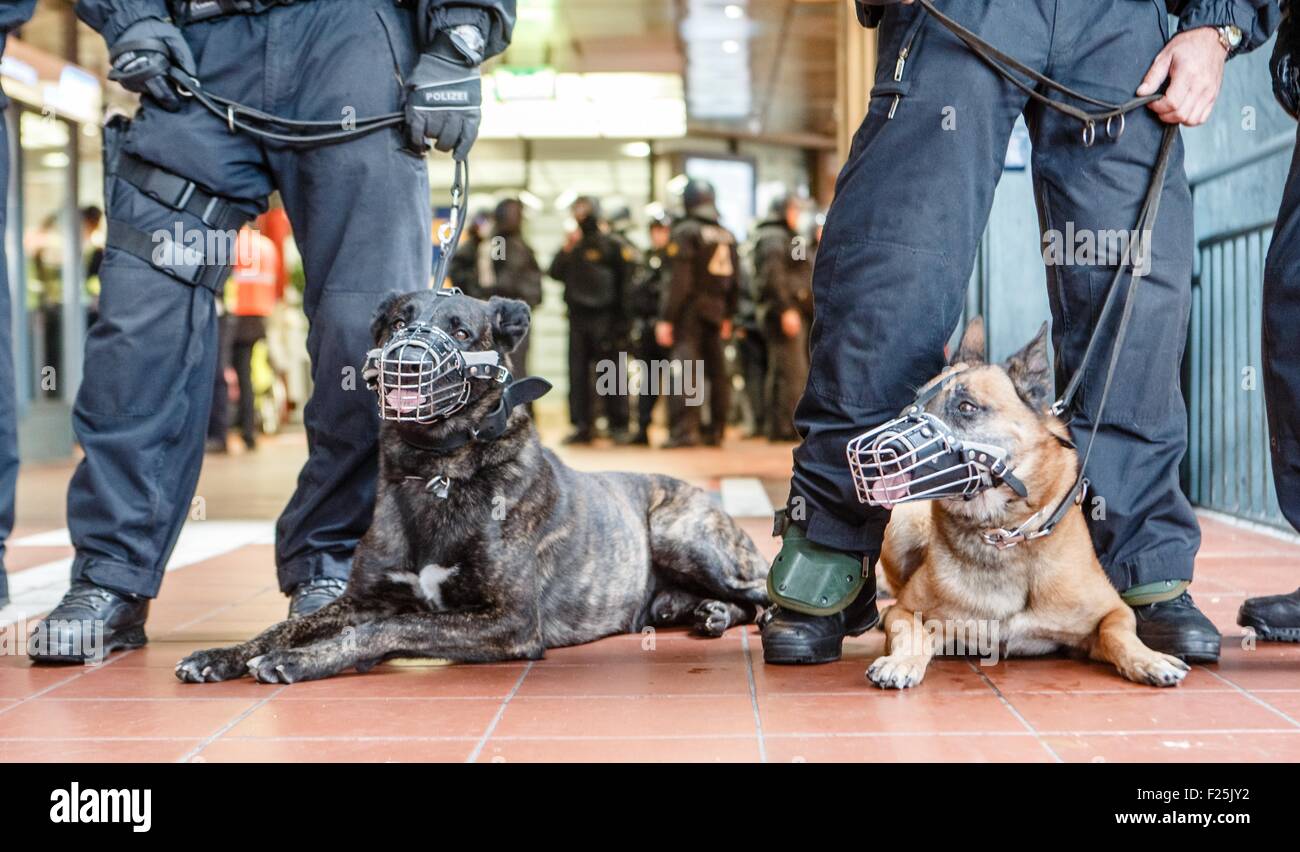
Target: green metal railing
1228, 467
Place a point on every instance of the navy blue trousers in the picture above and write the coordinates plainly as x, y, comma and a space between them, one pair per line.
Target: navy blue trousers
1281, 350
361, 219
911, 204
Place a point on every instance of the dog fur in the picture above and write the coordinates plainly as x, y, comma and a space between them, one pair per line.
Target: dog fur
522, 555
1044, 595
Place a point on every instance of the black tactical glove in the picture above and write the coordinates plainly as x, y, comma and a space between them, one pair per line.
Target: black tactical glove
445, 94
1285, 66
142, 56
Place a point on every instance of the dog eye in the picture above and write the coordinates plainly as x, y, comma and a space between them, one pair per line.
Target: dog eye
967, 407
461, 334
399, 324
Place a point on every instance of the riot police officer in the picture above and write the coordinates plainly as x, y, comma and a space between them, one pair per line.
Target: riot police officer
594, 275
513, 271
649, 286
899, 244
12, 15
1277, 617
698, 313
783, 286
358, 200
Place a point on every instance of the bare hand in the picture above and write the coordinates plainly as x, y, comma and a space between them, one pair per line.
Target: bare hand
791, 322
664, 334
1193, 63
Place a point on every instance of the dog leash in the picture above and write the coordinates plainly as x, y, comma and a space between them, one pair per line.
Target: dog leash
1107, 113
239, 117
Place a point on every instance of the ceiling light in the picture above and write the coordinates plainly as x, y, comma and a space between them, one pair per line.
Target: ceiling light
636, 149
731, 46
733, 11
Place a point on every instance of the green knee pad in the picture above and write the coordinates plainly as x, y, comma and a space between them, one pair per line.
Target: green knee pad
812, 579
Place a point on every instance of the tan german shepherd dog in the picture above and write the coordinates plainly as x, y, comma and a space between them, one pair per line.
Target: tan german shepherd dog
1039, 597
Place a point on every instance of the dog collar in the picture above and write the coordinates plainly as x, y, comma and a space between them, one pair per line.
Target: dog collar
492, 426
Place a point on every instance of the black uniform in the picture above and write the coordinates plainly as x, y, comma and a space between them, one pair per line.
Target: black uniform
595, 279
782, 282
703, 294
644, 302
361, 216
11, 16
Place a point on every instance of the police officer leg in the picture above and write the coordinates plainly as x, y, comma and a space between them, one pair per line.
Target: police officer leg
889, 283
8, 404
581, 357
713, 348
1278, 616
685, 400
178, 187
361, 217
1142, 525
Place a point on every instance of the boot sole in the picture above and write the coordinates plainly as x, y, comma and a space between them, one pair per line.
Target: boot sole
826, 650
1269, 634
125, 640
1197, 652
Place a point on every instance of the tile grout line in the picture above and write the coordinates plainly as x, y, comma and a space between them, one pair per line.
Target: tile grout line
501, 712
1253, 697
204, 743
753, 694
1014, 712
85, 670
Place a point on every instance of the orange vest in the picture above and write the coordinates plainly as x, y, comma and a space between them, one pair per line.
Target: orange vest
255, 275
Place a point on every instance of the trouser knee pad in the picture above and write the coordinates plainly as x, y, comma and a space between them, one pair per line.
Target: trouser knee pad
809, 578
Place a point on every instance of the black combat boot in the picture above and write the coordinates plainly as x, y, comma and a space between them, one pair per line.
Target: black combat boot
835, 593
1178, 628
89, 623
1275, 618
313, 594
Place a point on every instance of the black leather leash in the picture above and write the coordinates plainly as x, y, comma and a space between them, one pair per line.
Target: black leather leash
1009, 68
239, 117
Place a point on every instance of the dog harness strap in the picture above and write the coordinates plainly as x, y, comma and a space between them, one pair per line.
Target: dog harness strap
186, 265
179, 193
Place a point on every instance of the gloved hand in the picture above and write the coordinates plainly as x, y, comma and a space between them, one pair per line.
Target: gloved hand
445, 95
144, 53
1285, 67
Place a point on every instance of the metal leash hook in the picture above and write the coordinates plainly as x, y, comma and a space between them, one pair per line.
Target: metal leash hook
449, 231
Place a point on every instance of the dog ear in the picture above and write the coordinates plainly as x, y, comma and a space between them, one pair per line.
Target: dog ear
971, 348
379, 320
1030, 370
510, 319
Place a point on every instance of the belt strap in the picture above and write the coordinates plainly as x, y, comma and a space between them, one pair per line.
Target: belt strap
180, 193
493, 426
185, 265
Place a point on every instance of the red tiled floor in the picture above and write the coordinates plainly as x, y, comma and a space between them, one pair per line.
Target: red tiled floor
924, 748
259, 750
143, 717
662, 696
287, 716
1275, 746
614, 750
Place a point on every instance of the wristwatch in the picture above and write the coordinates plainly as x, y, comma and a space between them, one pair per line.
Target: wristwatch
1229, 37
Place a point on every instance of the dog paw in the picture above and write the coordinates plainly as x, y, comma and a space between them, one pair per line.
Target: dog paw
285, 667
712, 618
897, 672
212, 665
1156, 670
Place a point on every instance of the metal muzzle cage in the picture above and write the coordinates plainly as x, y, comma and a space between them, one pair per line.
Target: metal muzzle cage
916, 457
422, 375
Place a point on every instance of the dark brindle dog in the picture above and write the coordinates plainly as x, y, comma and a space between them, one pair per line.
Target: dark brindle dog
520, 555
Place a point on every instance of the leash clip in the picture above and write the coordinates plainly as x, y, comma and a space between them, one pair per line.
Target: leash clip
1089, 133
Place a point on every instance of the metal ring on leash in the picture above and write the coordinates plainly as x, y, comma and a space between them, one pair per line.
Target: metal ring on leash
1089, 133
1115, 135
